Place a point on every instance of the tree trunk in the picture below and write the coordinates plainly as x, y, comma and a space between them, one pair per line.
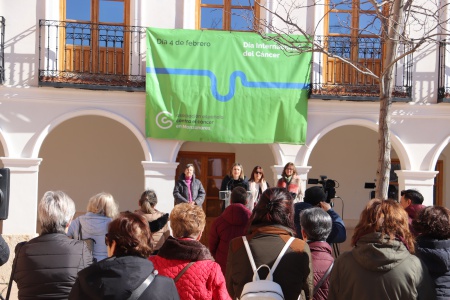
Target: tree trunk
391, 28
384, 146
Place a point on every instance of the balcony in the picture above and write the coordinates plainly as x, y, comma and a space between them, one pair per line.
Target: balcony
333, 79
2, 50
91, 56
444, 72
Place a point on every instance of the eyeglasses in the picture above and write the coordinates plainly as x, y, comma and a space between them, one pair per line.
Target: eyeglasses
257, 172
289, 169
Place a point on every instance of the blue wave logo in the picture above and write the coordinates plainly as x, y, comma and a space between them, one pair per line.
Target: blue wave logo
233, 76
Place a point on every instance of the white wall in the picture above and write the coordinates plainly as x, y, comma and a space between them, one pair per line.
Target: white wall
104, 158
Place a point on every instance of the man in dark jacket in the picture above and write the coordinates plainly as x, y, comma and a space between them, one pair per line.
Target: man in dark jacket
230, 224
316, 226
411, 201
315, 196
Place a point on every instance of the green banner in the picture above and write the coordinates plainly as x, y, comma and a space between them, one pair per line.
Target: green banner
226, 87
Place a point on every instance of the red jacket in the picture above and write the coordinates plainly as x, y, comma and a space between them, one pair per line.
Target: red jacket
321, 261
413, 210
202, 281
230, 224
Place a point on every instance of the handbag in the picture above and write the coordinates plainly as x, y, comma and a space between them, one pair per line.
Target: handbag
266, 289
143, 286
182, 271
89, 242
323, 279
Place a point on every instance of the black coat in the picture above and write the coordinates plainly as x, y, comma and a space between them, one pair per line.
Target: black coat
436, 256
4, 251
228, 183
47, 266
116, 277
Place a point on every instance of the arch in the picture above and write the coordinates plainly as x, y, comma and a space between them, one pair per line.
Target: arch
435, 154
35, 143
276, 152
397, 144
173, 156
4, 142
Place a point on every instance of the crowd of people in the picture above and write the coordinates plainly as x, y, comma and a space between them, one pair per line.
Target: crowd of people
400, 248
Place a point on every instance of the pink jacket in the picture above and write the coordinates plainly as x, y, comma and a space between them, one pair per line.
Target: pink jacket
202, 281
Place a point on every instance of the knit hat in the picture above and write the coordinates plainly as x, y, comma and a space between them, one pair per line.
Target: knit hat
314, 195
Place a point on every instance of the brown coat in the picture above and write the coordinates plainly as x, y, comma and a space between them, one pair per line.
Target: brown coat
294, 273
160, 235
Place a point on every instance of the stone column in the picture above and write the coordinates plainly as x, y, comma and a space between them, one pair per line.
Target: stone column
23, 195
160, 176
422, 181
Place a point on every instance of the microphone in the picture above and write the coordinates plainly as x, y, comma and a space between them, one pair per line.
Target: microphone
228, 183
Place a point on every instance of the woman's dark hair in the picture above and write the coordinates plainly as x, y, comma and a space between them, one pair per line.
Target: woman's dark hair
274, 207
132, 235
433, 222
256, 169
239, 195
148, 201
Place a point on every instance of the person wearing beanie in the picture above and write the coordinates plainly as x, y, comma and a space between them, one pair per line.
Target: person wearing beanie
315, 197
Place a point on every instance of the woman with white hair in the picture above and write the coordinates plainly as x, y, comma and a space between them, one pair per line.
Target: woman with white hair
47, 266
101, 210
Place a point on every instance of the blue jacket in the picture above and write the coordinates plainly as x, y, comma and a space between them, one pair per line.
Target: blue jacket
93, 226
338, 233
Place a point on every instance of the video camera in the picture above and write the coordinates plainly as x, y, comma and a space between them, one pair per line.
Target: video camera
329, 186
392, 190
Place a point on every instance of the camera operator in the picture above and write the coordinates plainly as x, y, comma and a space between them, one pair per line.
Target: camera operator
315, 196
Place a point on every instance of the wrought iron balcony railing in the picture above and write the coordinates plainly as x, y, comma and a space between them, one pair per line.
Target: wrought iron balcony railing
334, 79
2, 50
91, 56
444, 72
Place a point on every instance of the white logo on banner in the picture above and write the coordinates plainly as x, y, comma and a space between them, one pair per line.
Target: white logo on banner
162, 121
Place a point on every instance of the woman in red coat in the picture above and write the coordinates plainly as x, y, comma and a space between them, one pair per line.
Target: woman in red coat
230, 224
203, 279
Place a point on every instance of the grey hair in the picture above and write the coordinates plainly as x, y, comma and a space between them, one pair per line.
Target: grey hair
56, 210
316, 223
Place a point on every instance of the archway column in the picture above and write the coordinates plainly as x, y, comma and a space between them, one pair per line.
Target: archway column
23, 195
159, 176
422, 181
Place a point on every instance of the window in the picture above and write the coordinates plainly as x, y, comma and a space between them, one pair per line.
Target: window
352, 30
95, 38
237, 15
